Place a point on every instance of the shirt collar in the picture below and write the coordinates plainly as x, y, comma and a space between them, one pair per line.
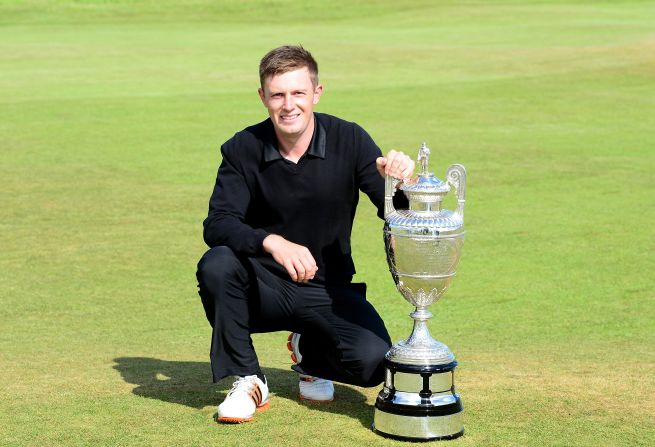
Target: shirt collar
316, 145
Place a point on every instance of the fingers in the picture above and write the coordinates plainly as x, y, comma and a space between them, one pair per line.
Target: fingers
291, 270
397, 164
305, 270
296, 259
408, 169
303, 267
300, 270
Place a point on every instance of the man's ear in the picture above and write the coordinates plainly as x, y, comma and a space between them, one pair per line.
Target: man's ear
261, 94
318, 91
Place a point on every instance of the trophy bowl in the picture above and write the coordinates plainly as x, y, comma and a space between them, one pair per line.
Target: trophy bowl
422, 266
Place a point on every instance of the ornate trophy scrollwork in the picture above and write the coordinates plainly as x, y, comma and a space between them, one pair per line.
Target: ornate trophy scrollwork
456, 175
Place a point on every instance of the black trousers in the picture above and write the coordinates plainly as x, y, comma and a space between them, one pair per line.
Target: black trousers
343, 337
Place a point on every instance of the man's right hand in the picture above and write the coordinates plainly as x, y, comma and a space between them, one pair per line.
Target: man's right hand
296, 259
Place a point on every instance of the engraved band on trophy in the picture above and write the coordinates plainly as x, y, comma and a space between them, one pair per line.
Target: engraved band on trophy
423, 245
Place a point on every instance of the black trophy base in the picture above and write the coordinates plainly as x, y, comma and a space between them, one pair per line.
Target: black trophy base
419, 403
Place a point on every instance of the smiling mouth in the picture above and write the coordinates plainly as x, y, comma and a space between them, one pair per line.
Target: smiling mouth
289, 117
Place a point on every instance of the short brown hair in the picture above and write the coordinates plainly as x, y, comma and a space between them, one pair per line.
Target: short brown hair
287, 58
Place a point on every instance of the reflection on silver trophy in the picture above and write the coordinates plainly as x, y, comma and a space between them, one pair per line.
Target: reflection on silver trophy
423, 245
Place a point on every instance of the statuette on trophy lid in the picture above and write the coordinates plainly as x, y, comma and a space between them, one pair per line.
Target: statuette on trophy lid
423, 246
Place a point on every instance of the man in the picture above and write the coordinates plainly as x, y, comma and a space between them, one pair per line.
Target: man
279, 225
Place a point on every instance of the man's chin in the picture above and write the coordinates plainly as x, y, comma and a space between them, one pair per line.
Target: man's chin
289, 129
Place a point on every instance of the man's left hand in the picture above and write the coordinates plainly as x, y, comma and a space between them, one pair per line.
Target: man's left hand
395, 164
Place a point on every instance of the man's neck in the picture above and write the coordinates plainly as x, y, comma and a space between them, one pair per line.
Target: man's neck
292, 148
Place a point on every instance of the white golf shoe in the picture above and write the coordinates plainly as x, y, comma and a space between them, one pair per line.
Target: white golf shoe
315, 389
312, 389
247, 396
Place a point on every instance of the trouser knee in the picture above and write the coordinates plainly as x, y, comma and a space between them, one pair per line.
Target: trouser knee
218, 264
218, 269
368, 368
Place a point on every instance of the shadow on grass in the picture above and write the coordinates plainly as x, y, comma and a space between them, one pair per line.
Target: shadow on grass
186, 383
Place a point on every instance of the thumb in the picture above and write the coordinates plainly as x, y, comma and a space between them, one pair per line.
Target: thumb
380, 163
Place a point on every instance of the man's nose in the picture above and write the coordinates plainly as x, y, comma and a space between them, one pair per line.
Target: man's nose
288, 102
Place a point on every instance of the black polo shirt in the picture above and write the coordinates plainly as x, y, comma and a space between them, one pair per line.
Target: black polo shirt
311, 203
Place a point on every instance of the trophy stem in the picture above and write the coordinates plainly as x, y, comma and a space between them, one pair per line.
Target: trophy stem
420, 348
420, 334
421, 313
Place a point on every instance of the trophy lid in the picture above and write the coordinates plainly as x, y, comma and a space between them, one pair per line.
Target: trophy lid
426, 187
426, 184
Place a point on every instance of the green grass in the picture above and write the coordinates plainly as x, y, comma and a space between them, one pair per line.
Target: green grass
111, 116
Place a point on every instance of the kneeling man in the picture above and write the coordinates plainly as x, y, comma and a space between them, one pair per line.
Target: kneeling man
279, 225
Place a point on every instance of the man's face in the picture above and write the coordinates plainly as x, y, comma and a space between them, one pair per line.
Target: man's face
290, 98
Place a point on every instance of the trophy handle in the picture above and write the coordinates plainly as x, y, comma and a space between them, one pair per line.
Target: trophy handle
390, 184
456, 176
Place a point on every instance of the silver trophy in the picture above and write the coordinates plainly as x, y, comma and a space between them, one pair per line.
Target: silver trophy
423, 245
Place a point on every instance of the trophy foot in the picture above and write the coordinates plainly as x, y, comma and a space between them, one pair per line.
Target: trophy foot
419, 403
412, 439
